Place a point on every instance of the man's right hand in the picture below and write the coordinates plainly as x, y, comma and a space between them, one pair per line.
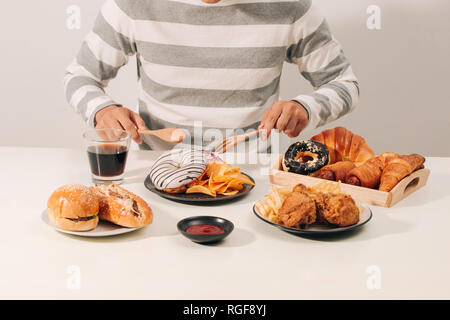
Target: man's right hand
120, 118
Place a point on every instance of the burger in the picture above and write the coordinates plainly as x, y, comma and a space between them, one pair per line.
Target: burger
73, 207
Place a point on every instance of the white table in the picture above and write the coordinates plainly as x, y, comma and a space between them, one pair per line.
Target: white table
403, 249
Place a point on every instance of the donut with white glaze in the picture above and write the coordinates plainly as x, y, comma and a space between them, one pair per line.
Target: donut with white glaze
174, 171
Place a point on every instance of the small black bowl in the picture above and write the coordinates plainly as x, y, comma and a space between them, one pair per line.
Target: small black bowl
205, 239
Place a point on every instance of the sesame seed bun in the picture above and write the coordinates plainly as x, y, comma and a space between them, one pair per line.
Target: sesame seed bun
73, 207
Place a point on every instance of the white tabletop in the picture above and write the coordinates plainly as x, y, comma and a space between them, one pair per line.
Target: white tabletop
401, 253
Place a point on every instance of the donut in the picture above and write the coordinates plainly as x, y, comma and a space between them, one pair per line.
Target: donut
174, 171
305, 157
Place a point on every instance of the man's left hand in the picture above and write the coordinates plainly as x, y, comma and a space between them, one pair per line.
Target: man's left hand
289, 117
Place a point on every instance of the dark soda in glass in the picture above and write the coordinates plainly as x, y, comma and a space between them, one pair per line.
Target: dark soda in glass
107, 160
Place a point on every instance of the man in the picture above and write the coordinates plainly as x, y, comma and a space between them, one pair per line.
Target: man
218, 62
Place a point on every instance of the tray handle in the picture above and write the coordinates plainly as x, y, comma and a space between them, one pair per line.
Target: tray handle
409, 184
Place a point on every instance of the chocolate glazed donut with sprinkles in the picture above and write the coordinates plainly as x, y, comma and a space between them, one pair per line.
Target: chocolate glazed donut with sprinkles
174, 171
305, 157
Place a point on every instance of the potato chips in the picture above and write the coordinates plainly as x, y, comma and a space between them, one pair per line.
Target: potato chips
220, 178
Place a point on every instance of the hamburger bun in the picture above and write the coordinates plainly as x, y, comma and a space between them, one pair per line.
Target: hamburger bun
73, 207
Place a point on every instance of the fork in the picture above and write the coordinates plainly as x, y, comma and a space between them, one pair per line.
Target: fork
233, 141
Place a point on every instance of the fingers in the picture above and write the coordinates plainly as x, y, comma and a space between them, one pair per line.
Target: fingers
113, 135
270, 119
294, 132
102, 134
291, 128
289, 117
123, 119
108, 123
140, 124
128, 124
283, 120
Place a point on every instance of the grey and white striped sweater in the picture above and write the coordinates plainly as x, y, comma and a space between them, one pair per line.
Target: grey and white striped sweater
219, 64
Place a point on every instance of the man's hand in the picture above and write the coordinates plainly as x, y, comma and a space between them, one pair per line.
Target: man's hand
120, 118
289, 117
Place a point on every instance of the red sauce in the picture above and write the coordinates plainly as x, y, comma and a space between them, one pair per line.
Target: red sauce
205, 229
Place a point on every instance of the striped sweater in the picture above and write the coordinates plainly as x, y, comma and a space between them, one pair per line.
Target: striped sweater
219, 64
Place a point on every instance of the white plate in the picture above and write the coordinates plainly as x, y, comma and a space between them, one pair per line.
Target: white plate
319, 229
103, 229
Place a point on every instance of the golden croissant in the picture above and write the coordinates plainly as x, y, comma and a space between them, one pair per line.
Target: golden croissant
398, 168
344, 145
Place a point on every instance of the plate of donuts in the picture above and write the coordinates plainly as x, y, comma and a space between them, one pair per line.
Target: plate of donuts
196, 176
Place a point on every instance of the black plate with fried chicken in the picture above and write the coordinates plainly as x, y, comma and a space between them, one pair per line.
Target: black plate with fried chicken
307, 211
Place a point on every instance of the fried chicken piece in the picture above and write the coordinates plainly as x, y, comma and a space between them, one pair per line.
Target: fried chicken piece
298, 208
338, 209
300, 188
319, 199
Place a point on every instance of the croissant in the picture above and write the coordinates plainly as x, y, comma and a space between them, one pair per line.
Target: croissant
386, 157
343, 145
399, 168
337, 171
369, 173
366, 175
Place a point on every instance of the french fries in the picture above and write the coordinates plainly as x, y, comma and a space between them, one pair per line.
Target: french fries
220, 178
270, 206
327, 187
272, 203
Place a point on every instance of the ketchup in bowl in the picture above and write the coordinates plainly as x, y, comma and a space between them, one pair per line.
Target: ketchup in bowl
205, 229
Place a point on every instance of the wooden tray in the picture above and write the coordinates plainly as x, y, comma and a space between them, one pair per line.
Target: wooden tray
404, 188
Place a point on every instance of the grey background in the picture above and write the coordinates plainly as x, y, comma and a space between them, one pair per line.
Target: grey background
403, 71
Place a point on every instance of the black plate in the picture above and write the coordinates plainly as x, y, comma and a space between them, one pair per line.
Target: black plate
205, 239
321, 229
197, 197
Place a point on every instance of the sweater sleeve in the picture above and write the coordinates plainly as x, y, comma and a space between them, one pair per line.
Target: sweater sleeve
104, 51
322, 62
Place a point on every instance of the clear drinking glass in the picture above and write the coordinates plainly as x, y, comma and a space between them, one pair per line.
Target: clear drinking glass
107, 151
